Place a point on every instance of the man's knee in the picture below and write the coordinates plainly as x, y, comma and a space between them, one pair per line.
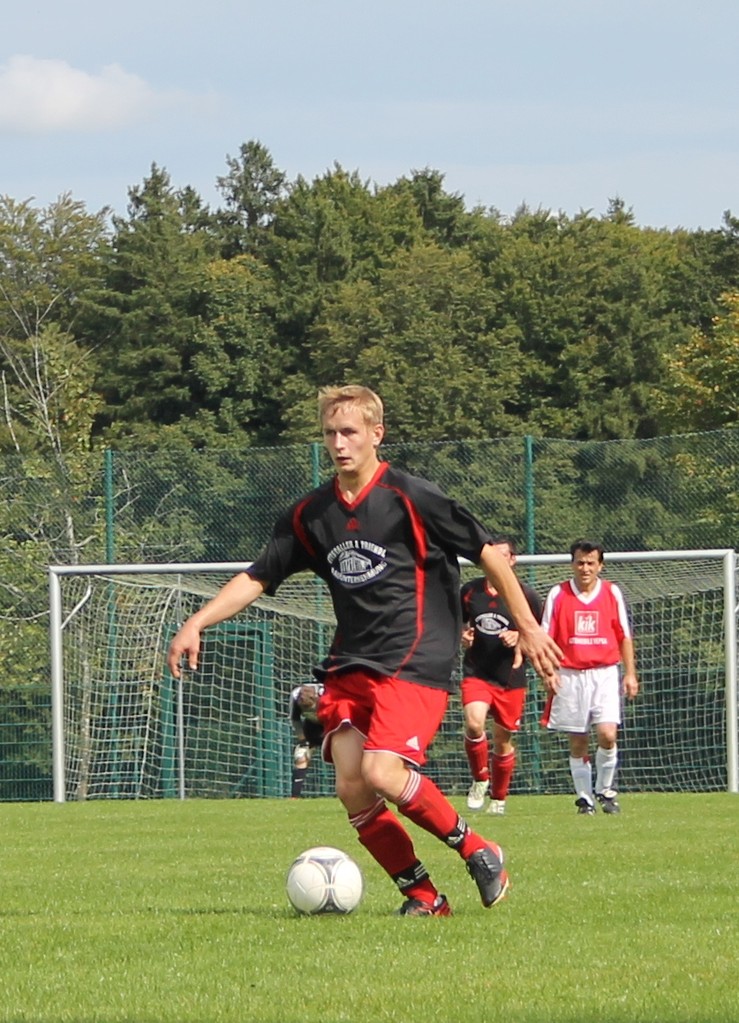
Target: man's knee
606, 733
385, 774
474, 730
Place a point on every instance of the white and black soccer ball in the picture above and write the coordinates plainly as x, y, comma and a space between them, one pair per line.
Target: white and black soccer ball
324, 880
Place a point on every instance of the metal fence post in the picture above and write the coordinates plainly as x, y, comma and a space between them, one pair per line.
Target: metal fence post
109, 510
528, 489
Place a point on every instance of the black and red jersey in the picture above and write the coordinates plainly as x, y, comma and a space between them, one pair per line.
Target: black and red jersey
389, 559
488, 658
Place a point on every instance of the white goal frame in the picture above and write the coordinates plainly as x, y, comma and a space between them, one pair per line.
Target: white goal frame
727, 557
56, 631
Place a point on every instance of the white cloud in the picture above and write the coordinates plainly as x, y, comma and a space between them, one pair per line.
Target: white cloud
39, 96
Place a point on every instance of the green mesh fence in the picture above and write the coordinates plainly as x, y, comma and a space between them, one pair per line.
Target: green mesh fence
25, 743
678, 492
668, 493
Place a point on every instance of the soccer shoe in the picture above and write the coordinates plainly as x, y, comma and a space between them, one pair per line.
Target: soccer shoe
496, 807
417, 907
608, 802
585, 806
486, 867
476, 795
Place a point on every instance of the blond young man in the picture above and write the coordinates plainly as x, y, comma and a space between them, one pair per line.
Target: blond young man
386, 544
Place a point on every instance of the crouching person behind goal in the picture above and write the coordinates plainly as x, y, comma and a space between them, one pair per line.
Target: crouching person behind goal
308, 731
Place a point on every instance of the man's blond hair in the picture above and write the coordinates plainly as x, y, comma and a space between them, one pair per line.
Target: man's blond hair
368, 403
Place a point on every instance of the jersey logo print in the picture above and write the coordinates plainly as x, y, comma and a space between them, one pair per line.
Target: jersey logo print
491, 624
357, 562
353, 524
586, 629
586, 623
413, 743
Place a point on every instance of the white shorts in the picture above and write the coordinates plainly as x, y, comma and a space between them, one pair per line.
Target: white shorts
588, 697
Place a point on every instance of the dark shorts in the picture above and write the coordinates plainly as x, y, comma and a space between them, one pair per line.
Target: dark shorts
505, 705
393, 716
313, 732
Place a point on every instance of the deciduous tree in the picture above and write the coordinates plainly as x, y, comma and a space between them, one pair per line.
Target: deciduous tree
700, 387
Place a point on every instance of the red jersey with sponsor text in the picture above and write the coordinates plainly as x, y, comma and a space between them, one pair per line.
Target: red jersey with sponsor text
588, 628
389, 559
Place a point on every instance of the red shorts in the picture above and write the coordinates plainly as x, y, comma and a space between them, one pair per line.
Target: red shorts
393, 716
506, 705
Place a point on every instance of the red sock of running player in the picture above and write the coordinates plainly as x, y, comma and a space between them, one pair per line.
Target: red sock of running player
477, 755
385, 838
423, 803
501, 774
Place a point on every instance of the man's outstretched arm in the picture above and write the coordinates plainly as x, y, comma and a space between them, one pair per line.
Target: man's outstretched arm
238, 593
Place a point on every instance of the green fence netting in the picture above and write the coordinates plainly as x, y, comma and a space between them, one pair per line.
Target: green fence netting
677, 492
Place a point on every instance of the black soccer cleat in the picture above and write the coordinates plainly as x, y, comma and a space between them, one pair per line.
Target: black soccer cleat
585, 806
608, 801
417, 907
486, 867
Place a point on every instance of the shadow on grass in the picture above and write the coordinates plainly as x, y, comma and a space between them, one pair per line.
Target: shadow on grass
265, 913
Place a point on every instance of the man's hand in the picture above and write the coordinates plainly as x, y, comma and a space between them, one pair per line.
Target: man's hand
308, 697
185, 645
630, 685
543, 653
508, 637
238, 593
468, 636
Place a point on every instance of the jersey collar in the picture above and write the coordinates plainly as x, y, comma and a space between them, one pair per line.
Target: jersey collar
379, 471
586, 598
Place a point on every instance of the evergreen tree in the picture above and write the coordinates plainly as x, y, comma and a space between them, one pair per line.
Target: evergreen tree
251, 190
147, 316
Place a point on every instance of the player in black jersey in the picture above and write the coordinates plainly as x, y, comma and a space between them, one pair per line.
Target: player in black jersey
387, 546
491, 685
303, 714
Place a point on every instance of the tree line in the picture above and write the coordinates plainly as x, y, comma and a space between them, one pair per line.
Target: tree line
180, 328
181, 325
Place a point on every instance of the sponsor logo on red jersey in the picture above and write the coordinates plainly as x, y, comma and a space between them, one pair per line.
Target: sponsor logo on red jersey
586, 623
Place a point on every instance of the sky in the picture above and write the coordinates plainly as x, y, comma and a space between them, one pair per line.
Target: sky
559, 104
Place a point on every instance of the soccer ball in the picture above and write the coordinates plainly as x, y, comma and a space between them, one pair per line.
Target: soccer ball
324, 880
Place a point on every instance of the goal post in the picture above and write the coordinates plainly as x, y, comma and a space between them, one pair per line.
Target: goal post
123, 727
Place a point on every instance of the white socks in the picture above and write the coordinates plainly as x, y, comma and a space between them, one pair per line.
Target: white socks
605, 768
582, 777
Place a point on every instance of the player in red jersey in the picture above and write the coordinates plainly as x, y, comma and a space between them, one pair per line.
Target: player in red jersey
587, 617
386, 544
491, 685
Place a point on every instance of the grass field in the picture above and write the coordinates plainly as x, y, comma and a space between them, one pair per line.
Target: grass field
174, 912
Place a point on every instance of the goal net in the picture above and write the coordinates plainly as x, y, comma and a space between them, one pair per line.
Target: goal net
124, 728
